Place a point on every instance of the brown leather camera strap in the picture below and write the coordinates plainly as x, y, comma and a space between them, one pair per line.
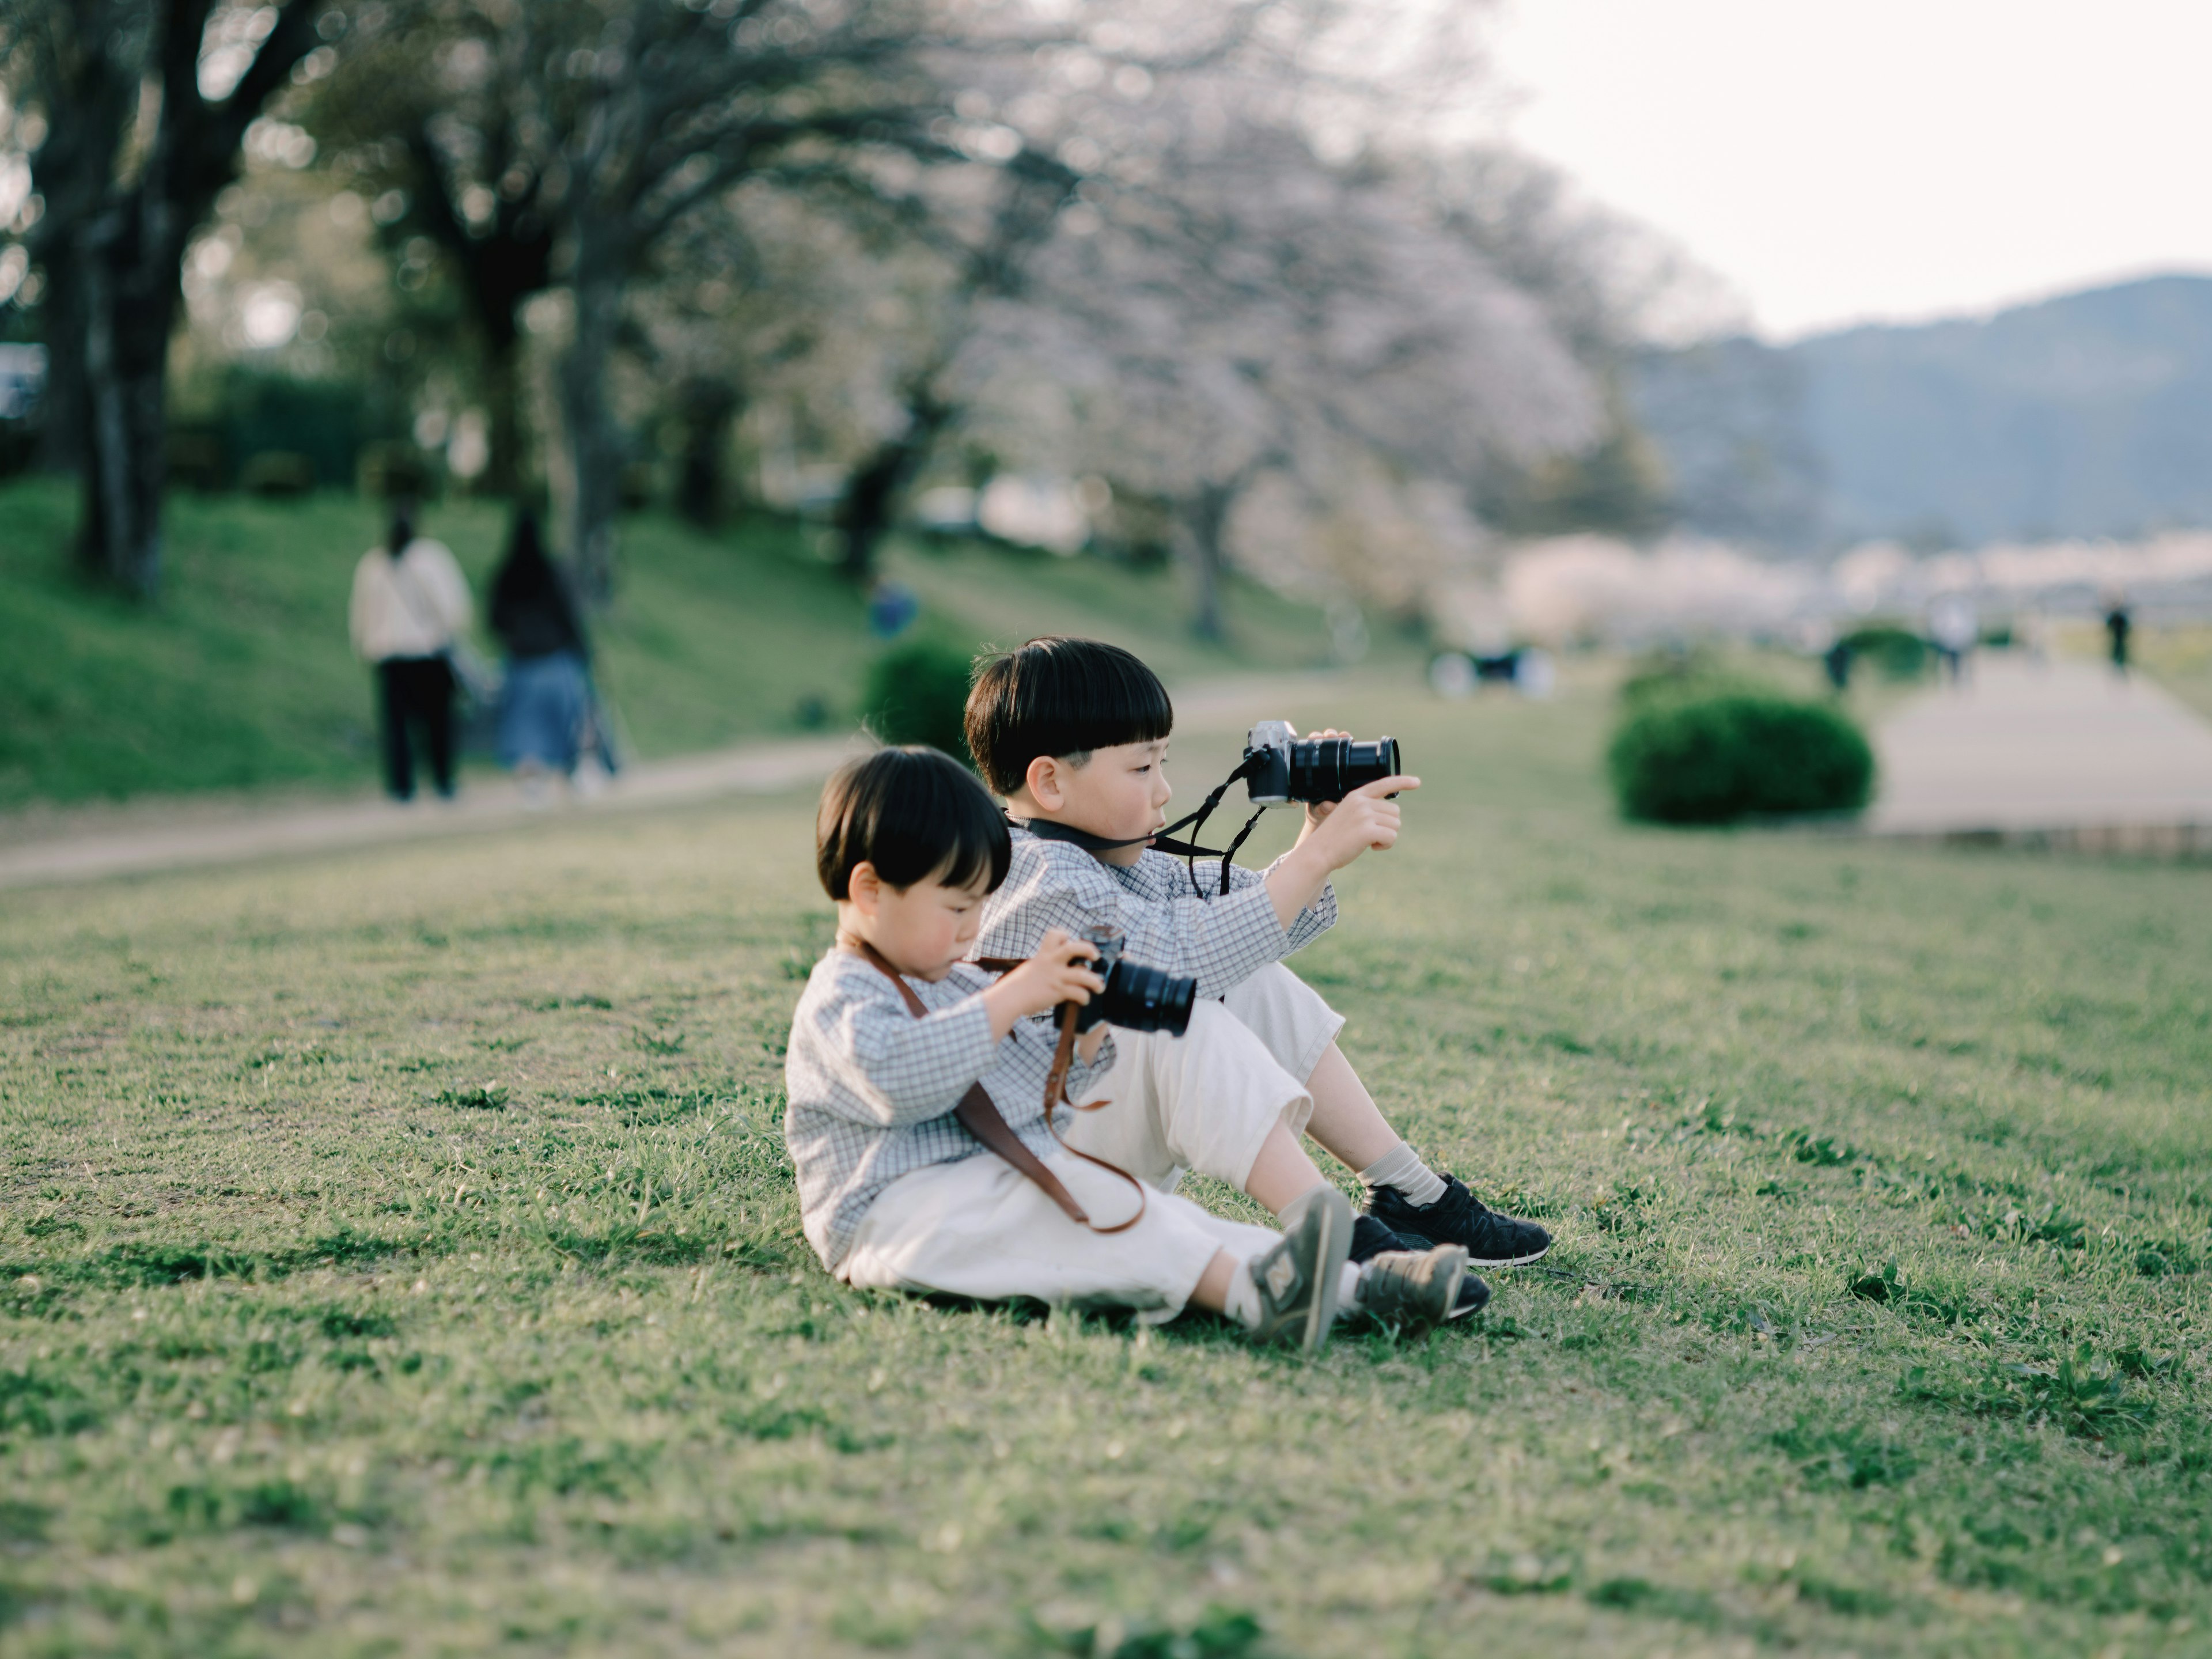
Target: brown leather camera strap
980, 1115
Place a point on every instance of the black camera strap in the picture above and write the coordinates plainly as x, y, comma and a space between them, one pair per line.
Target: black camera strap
1164, 842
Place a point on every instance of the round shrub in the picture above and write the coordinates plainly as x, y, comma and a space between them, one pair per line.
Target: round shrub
918, 693
1716, 755
1898, 652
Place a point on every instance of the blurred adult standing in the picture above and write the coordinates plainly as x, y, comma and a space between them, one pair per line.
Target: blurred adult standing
546, 708
2118, 626
410, 605
1955, 630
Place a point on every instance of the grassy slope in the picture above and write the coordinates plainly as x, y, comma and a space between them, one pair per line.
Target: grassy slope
242, 676
398, 1255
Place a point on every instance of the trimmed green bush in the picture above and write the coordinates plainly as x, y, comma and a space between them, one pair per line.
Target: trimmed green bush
918, 693
1898, 652
1715, 753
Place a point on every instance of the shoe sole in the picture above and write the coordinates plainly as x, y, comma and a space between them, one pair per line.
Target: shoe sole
1458, 1312
1334, 1249
1473, 1260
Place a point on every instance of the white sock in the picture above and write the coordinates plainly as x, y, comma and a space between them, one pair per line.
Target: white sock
1347, 1291
1241, 1302
1402, 1167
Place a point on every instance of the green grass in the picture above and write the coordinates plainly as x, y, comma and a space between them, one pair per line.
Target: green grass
241, 676
398, 1255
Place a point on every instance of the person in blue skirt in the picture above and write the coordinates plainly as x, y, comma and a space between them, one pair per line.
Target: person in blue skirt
548, 717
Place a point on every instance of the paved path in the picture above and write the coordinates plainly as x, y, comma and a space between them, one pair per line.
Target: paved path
75, 844
2065, 749
167, 837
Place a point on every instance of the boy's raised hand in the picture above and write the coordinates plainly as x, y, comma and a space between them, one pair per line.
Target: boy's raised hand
1339, 831
1335, 833
1053, 976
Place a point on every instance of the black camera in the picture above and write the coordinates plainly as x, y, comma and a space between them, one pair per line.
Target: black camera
1283, 767
1136, 999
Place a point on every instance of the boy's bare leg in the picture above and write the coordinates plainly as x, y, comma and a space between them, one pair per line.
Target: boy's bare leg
1212, 1291
1282, 1172
1346, 1121
1404, 1194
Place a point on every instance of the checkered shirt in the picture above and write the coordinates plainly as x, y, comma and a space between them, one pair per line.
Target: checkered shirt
1217, 941
872, 1088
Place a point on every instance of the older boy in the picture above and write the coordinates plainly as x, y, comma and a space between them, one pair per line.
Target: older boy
1073, 733
918, 1084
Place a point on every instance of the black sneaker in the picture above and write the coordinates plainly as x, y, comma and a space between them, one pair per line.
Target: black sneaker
1413, 1289
1297, 1279
1472, 1295
1491, 1240
1369, 1238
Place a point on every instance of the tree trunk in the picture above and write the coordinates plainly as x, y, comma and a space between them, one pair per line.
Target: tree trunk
505, 470
708, 404
1206, 522
127, 267
594, 442
62, 414
125, 245
864, 515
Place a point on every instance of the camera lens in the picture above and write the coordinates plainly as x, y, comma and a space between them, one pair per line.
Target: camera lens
1329, 768
1140, 998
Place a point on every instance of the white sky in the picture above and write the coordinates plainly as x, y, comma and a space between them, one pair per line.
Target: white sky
1837, 160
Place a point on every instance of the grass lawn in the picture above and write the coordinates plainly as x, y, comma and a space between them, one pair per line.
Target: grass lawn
398, 1256
241, 675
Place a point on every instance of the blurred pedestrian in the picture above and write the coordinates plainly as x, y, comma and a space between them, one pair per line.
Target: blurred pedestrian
1837, 659
410, 606
2118, 625
1955, 630
546, 709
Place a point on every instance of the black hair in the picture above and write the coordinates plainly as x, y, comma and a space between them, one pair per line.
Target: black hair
1061, 697
526, 568
531, 610
402, 528
915, 813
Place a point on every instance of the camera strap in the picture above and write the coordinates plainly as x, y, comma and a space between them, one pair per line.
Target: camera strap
1164, 841
979, 1114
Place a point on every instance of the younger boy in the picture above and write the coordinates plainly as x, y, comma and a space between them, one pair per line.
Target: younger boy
894, 1032
1073, 733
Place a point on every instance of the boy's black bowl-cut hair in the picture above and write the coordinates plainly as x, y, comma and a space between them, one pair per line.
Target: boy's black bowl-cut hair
1061, 697
915, 813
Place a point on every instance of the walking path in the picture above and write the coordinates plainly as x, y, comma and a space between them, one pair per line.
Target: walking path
76, 844
156, 838
2064, 752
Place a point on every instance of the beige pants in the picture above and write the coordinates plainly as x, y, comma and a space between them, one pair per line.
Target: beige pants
1207, 1100
981, 1228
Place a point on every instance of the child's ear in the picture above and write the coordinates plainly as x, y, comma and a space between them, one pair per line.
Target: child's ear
864, 888
1043, 781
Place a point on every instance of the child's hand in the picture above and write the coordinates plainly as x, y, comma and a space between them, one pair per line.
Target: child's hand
1053, 976
1339, 831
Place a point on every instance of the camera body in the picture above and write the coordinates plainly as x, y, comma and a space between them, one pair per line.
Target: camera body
1136, 997
1286, 767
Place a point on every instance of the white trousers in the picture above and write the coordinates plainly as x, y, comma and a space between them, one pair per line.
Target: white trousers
1207, 1100
981, 1228
1204, 1100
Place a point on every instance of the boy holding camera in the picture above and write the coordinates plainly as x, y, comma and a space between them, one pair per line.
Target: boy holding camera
1073, 733
921, 1089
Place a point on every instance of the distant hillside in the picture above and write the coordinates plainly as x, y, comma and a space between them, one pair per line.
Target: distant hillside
2090, 415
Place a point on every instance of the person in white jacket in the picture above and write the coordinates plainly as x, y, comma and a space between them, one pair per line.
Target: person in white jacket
411, 602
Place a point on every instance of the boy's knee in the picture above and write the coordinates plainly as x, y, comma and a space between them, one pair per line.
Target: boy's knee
1214, 1028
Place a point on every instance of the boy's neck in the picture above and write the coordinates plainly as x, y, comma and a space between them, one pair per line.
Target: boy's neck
1023, 808
852, 935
